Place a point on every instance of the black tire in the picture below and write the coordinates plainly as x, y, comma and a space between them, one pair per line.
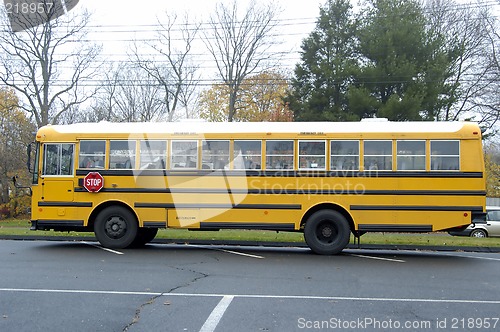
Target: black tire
144, 235
116, 227
327, 232
478, 233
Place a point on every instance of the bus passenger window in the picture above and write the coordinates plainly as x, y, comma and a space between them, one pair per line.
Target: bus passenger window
153, 154
410, 155
58, 159
215, 154
312, 155
247, 154
184, 154
122, 154
378, 155
344, 155
279, 154
445, 155
91, 154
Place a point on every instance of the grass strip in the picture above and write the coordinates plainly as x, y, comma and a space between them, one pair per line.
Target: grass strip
20, 227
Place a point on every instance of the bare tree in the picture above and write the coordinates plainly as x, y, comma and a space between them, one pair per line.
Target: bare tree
104, 103
46, 65
469, 33
169, 65
138, 97
239, 44
127, 93
490, 101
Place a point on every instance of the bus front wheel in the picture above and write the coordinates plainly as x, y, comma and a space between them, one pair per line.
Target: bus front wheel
327, 232
115, 227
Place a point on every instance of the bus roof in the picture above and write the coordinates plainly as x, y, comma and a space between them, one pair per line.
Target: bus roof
200, 127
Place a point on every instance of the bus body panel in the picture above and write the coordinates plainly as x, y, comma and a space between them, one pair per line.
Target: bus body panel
443, 188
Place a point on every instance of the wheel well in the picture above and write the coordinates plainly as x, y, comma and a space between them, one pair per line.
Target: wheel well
105, 205
328, 206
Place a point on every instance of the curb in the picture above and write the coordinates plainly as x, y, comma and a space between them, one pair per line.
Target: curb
261, 244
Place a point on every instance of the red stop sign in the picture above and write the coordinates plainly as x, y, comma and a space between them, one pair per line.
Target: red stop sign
93, 182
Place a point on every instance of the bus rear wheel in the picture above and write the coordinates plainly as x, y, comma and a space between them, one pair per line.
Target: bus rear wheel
327, 232
115, 227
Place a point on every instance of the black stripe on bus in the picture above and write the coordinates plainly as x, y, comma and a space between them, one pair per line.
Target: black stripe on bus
394, 228
414, 208
290, 191
155, 224
219, 206
427, 192
66, 204
284, 173
236, 225
59, 223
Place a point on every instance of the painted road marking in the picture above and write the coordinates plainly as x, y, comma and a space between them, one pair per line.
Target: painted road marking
216, 315
379, 258
250, 296
467, 256
241, 253
105, 249
226, 251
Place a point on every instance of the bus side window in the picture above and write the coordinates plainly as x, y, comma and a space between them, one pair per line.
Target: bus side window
279, 154
58, 159
91, 154
122, 154
184, 154
152, 154
312, 154
445, 155
344, 155
378, 155
215, 154
247, 154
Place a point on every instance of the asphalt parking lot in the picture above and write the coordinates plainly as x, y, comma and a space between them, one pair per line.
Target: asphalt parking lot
80, 286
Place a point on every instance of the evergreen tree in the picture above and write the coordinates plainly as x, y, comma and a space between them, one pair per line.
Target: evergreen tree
391, 60
328, 59
405, 69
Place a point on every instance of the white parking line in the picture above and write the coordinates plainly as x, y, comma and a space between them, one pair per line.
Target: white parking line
226, 251
229, 297
478, 257
105, 249
241, 253
379, 258
216, 315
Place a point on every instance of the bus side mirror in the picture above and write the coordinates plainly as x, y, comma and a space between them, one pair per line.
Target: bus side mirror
28, 163
17, 185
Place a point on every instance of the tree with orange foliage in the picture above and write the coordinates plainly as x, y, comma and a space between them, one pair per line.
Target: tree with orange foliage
260, 99
15, 133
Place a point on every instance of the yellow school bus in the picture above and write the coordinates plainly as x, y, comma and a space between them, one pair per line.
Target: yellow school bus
124, 181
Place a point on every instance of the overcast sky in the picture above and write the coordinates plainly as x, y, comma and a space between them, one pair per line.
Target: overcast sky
117, 22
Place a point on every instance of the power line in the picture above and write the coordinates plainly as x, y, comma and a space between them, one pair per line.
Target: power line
282, 22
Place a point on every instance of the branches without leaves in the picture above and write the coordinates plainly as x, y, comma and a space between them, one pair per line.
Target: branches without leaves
46, 65
239, 44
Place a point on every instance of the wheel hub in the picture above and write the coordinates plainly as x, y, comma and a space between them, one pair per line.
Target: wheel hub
116, 227
326, 232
